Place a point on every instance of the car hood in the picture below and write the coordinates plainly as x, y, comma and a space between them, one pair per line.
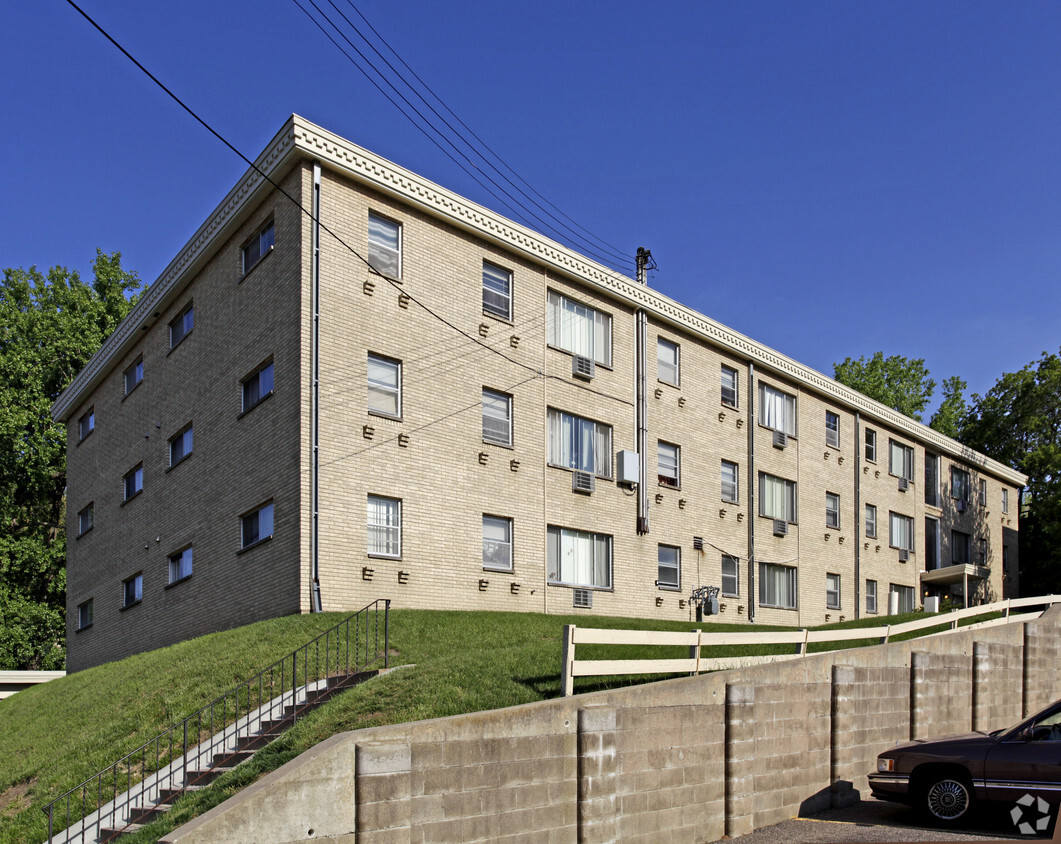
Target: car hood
956, 740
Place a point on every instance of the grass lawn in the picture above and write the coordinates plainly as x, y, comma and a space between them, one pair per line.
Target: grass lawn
54, 736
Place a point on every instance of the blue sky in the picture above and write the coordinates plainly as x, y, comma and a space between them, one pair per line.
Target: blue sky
830, 178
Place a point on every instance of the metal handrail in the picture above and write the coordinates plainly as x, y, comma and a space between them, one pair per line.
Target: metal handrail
210, 737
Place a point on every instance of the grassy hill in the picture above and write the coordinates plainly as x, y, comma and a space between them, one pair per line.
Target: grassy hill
54, 736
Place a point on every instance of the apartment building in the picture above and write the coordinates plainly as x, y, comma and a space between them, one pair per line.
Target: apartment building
382, 389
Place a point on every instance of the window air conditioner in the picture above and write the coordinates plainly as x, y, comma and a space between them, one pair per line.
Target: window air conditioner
583, 367
780, 527
583, 599
780, 439
904, 555
583, 482
904, 484
960, 505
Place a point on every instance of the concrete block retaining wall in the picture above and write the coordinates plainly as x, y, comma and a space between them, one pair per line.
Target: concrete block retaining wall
688, 760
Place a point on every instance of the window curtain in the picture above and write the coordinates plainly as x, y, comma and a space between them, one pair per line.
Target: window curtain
579, 329
580, 444
777, 410
902, 532
777, 585
581, 559
777, 498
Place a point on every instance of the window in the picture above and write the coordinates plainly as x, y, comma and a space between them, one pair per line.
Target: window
384, 527
832, 591
667, 457
667, 361
182, 326
1005, 500
497, 291
84, 615
577, 558
258, 246
180, 565
384, 386
959, 548
777, 498
730, 489
932, 479
832, 510
257, 386
180, 446
900, 460
580, 444
670, 567
256, 526
871, 521
730, 576
497, 543
906, 597
832, 429
84, 520
580, 329
86, 424
901, 532
132, 590
959, 484
497, 417
385, 246
871, 445
871, 596
983, 493
981, 552
777, 586
134, 375
777, 410
134, 481
729, 386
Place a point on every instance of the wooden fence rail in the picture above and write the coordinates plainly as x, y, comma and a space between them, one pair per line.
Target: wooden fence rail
695, 640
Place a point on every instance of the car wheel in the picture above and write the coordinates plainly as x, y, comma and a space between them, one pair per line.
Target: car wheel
948, 798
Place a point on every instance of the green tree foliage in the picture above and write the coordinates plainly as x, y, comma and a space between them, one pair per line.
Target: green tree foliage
903, 384
950, 417
1018, 423
50, 325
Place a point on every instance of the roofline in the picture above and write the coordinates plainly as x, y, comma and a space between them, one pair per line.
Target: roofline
302, 139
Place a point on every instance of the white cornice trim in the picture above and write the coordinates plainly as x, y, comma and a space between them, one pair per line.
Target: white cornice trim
301, 138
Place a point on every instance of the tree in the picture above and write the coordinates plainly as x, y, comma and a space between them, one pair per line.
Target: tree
49, 328
903, 384
1018, 422
950, 417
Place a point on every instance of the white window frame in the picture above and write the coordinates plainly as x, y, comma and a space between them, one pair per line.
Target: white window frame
730, 485
568, 451
260, 245
579, 329
669, 464
497, 417
181, 445
133, 376
592, 571
900, 460
669, 567
132, 590
832, 510
389, 389
181, 325
256, 526
180, 565
497, 291
960, 541
384, 527
133, 482
983, 493
777, 409
731, 579
870, 441
768, 504
871, 596
832, 591
84, 518
385, 245
84, 615
832, 429
900, 531
257, 386
781, 588
86, 424
668, 362
907, 597
871, 521
1005, 500
497, 543
730, 391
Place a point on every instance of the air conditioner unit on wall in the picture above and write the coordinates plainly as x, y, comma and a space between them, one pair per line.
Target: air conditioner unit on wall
583, 482
960, 504
904, 484
904, 555
780, 527
583, 367
780, 439
583, 599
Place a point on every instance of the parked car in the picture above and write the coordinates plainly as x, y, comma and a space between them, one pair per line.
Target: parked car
945, 777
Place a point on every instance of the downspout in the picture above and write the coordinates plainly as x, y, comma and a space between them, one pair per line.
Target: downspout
860, 521
644, 257
751, 492
315, 419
